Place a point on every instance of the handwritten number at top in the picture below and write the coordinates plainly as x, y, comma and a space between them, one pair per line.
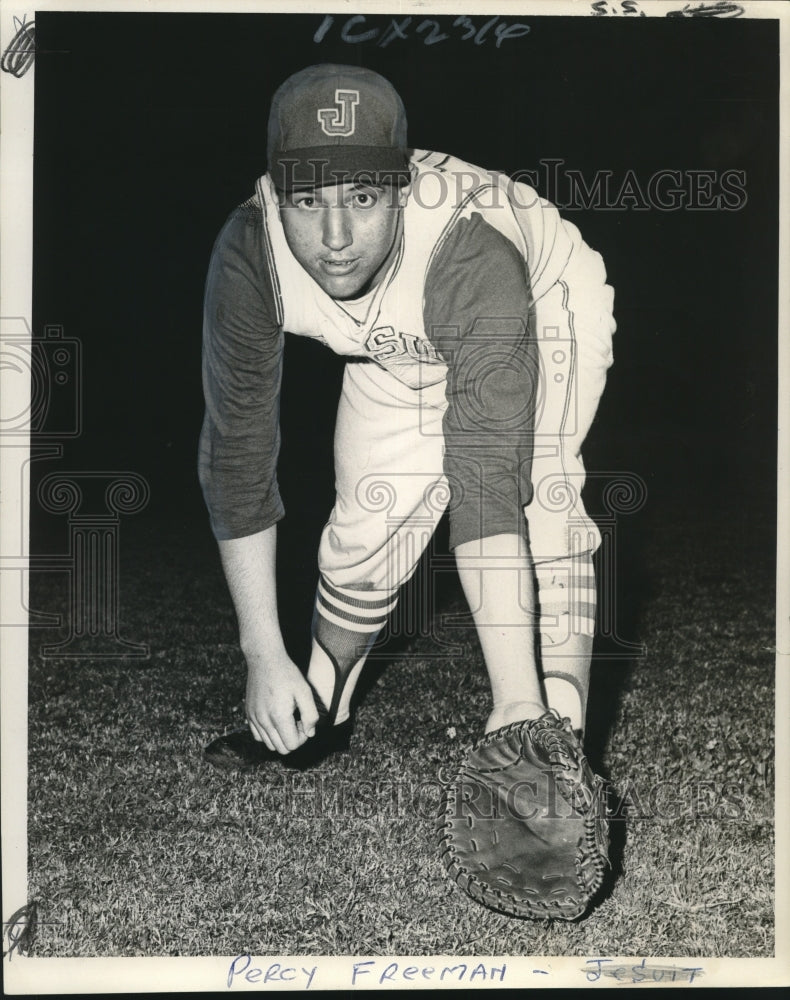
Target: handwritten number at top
356, 30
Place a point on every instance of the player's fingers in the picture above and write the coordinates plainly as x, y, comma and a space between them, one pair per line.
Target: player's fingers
304, 735
255, 730
288, 734
266, 741
275, 735
308, 713
259, 733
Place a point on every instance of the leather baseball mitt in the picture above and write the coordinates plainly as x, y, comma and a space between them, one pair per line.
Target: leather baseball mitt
523, 827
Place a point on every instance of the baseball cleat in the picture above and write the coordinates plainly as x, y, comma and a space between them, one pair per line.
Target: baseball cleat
239, 751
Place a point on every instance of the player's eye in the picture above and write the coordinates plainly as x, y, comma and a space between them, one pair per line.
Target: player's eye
364, 199
303, 200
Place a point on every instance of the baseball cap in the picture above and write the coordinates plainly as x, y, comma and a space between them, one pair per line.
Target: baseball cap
331, 124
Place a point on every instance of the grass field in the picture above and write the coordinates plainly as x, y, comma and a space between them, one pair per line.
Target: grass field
136, 847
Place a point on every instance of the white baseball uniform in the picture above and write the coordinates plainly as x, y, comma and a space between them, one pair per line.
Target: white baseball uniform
475, 370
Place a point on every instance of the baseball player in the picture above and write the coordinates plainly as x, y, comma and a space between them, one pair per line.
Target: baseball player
478, 328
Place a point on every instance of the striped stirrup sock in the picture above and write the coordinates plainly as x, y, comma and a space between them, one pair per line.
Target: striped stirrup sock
345, 625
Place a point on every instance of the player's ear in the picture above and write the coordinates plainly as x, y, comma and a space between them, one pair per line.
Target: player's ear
404, 191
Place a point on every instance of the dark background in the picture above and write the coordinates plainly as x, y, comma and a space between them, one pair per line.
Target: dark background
151, 128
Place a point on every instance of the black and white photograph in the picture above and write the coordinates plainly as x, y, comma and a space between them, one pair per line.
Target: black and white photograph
394, 477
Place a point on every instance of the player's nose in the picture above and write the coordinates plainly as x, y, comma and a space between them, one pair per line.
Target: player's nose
337, 233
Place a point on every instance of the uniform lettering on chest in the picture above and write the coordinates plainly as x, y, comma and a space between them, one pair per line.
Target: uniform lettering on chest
384, 344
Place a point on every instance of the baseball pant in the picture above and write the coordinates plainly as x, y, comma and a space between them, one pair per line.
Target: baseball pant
392, 491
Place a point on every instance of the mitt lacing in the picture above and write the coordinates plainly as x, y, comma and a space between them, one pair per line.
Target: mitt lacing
497, 734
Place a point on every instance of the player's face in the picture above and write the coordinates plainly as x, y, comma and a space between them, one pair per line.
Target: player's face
344, 235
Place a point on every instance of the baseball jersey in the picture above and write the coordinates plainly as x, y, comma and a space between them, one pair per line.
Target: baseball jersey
450, 319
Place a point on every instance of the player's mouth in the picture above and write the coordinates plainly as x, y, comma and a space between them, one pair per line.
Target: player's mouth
337, 268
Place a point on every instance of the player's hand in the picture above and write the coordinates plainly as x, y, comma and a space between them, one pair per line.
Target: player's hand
276, 692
